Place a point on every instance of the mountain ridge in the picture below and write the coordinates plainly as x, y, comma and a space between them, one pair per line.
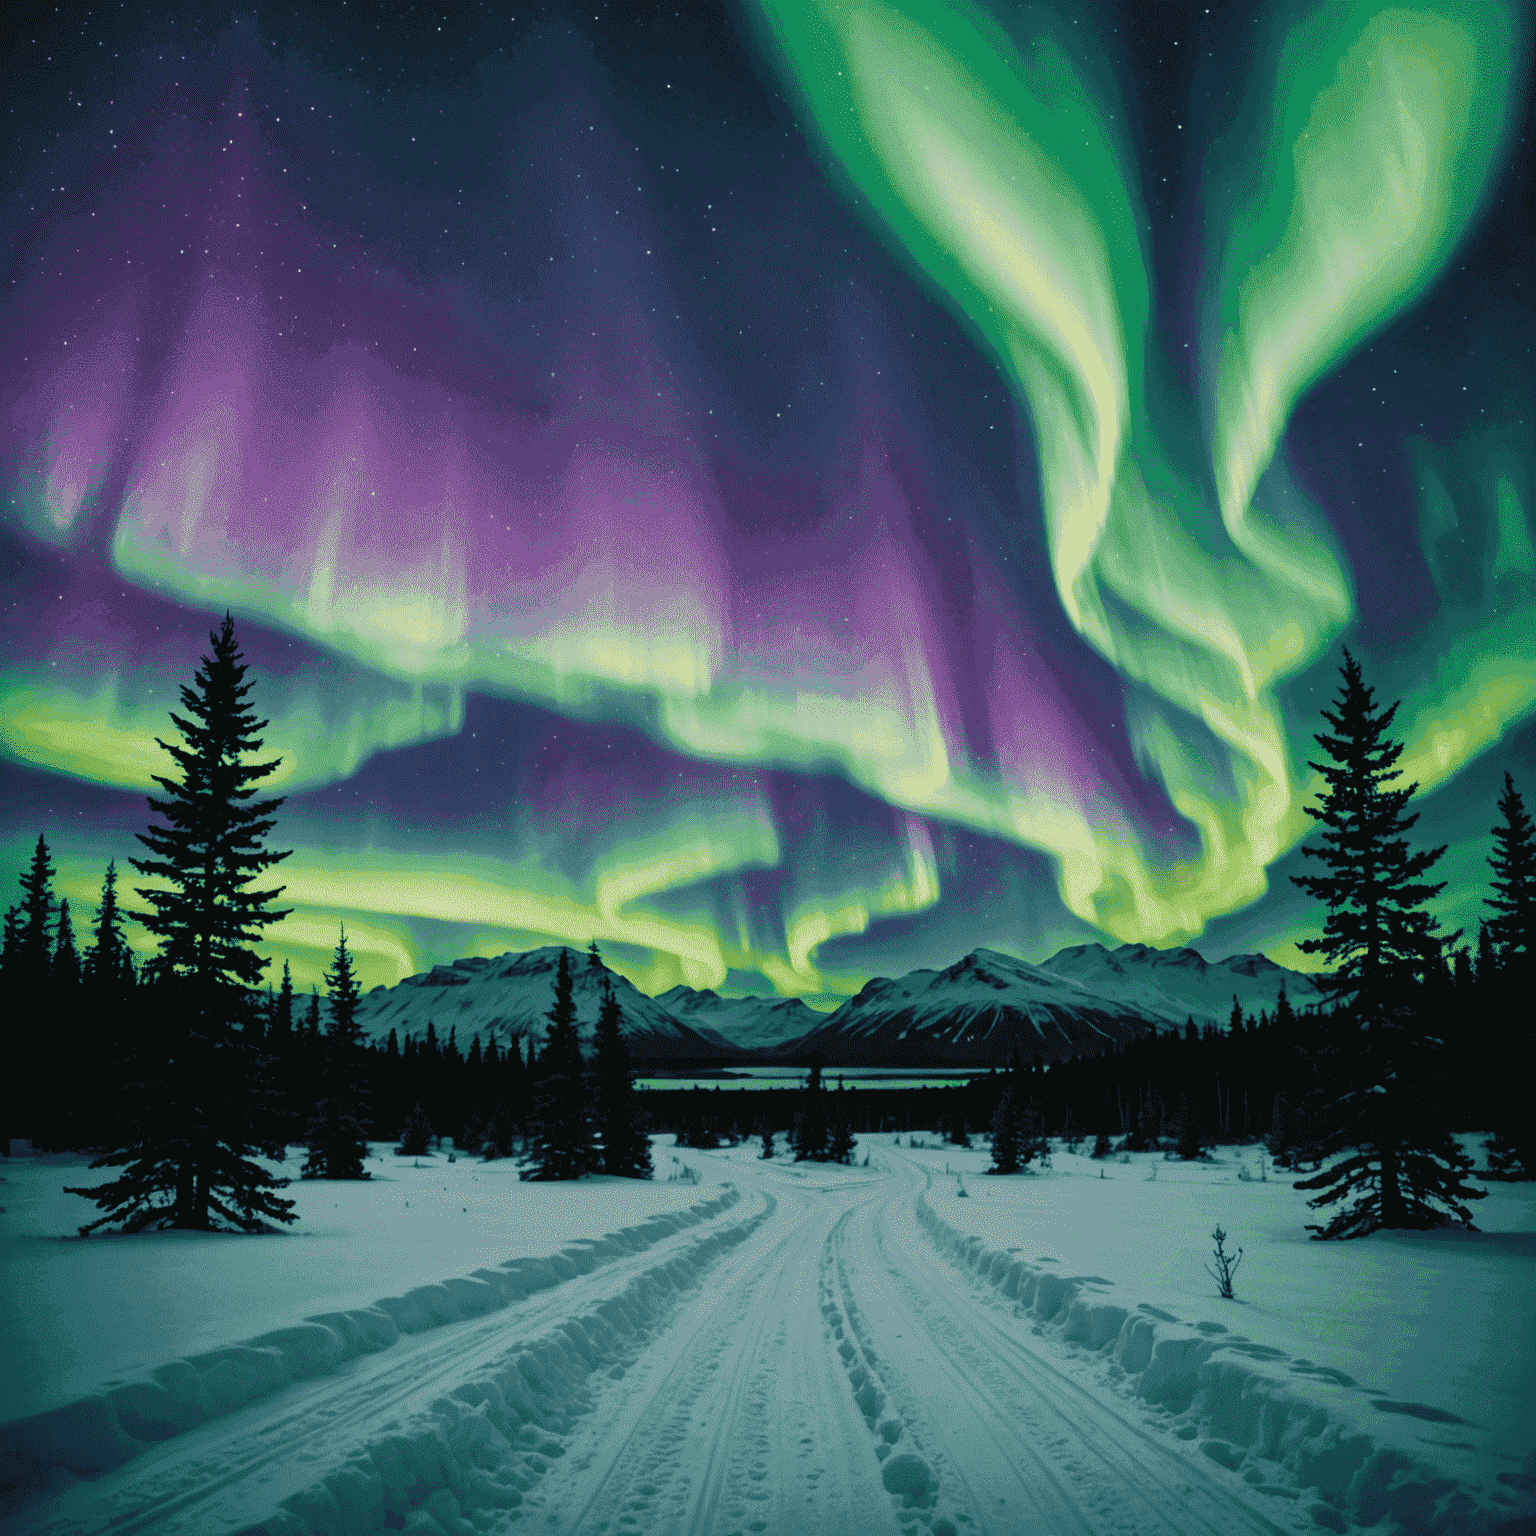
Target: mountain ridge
1084, 998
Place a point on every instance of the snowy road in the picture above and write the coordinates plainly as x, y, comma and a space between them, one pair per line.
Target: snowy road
805, 1362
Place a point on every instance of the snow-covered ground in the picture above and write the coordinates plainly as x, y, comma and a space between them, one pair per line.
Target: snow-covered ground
779, 1348
74, 1314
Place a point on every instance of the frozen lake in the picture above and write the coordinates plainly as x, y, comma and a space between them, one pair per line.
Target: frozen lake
794, 1077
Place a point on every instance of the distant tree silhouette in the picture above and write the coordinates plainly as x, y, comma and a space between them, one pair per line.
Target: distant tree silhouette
36, 912
562, 1134
338, 1145
108, 1015
625, 1149
1007, 1133
1378, 1061
107, 969
1191, 1137
840, 1140
808, 1138
187, 1145
416, 1138
1507, 955
66, 957
500, 1133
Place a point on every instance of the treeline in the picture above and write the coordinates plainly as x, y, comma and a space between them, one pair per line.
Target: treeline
182, 1071
95, 1017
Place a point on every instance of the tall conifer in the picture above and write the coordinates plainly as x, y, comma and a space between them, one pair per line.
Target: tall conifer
37, 908
337, 1143
808, 1138
562, 1135
625, 1148
188, 1146
1507, 958
1380, 1057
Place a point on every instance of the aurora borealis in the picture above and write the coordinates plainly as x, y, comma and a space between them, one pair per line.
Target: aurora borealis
795, 490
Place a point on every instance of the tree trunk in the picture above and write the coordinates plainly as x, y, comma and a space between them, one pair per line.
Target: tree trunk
1393, 1213
186, 1178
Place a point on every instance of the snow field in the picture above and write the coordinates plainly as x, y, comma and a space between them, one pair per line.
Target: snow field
814, 1350
1119, 1277
106, 1427
75, 1313
478, 1449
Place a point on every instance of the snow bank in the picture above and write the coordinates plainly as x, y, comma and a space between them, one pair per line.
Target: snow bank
103, 1429
1300, 1431
75, 1313
481, 1447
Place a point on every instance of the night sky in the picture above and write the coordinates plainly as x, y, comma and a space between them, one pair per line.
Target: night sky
793, 490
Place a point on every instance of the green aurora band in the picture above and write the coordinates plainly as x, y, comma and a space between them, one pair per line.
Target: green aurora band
991, 164
1182, 549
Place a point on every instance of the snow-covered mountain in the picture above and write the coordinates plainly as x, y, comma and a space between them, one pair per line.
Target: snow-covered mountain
511, 996
1170, 985
971, 1014
1082, 999
749, 1023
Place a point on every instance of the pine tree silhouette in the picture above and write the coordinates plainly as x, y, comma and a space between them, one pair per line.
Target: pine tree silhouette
626, 1149
562, 1137
840, 1141
338, 1146
194, 1127
1007, 1133
108, 1015
37, 908
108, 966
66, 958
417, 1135
1508, 996
1379, 1061
64, 1089
808, 1139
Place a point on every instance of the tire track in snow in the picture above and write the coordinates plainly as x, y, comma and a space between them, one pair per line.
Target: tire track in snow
1129, 1480
743, 1477
320, 1421
958, 1434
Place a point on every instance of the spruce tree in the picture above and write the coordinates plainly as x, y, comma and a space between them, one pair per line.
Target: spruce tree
809, 1137
37, 907
1034, 1144
28, 959
1285, 1018
1380, 1059
107, 970
338, 1146
840, 1142
1006, 1134
281, 1026
187, 1146
61, 1098
562, 1139
499, 1133
417, 1135
65, 971
1512, 928
1508, 996
626, 1149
